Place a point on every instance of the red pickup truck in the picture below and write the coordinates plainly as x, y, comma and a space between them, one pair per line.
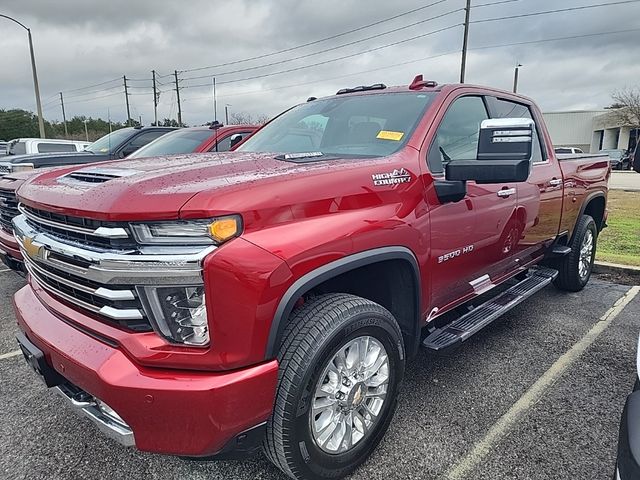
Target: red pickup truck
272, 296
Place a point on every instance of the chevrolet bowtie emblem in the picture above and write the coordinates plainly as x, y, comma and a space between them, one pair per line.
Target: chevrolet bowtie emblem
30, 247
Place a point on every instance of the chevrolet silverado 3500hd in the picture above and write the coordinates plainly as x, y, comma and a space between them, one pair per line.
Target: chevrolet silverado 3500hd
271, 296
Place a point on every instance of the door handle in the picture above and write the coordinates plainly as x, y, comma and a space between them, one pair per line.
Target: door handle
555, 182
506, 192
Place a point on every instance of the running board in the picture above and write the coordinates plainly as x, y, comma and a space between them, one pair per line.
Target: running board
462, 328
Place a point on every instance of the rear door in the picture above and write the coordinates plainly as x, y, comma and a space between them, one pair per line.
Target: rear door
540, 197
470, 247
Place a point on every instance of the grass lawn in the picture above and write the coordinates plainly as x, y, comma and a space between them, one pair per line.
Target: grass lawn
620, 241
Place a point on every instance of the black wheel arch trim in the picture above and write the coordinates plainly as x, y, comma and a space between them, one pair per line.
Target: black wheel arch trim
583, 207
331, 270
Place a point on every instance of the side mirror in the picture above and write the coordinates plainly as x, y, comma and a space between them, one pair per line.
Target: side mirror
504, 153
236, 138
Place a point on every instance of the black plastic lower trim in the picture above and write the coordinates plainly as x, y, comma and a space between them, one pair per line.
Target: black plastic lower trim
243, 445
629, 439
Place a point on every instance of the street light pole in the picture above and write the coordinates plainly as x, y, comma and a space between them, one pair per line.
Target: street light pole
35, 75
515, 78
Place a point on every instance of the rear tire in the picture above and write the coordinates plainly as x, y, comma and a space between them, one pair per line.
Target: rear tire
330, 411
574, 269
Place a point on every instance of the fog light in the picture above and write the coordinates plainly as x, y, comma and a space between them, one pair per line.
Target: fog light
178, 313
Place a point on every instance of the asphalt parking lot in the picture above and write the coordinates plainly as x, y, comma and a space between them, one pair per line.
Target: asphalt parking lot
536, 396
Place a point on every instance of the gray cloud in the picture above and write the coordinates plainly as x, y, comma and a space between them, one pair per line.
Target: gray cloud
80, 43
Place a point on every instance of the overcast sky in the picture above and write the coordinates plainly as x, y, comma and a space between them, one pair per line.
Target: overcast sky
79, 43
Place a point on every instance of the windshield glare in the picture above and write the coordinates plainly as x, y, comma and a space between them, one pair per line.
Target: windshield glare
370, 125
180, 141
110, 141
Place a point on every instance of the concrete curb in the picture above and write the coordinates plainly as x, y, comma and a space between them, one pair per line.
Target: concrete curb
606, 267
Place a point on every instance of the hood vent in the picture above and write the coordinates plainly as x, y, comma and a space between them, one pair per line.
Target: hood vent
99, 175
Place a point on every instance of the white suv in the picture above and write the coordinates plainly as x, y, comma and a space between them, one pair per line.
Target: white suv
27, 146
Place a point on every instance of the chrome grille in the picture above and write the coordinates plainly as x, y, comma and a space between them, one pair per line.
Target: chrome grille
86, 231
103, 282
121, 306
8, 209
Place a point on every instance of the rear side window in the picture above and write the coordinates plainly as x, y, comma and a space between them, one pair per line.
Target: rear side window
224, 145
509, 109
458, 133
17, 148
56, 147
144, 138
563, 150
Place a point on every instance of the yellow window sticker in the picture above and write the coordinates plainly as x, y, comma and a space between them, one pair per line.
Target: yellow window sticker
388, 135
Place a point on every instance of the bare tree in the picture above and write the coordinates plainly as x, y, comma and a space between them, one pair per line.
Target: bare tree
626, 106
240, 118
262, 119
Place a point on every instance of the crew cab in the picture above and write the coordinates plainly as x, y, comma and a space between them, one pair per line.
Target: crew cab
117, 144
199, 305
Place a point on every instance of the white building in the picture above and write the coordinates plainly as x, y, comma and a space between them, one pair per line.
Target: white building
590, 130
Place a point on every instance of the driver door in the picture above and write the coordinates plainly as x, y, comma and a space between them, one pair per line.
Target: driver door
471, 244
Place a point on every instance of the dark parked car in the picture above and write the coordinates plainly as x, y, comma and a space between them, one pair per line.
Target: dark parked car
620, 160
117, 144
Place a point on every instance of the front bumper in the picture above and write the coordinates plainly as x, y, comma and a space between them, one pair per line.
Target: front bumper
10, 251
629, 439
188, 413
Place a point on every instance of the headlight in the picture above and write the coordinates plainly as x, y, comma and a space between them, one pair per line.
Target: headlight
195, 232
21, 167
178, 313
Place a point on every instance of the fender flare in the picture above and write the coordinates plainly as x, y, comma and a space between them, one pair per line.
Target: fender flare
583, 207
331, 270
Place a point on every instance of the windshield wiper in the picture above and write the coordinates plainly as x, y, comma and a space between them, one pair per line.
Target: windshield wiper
299, 155
447, 158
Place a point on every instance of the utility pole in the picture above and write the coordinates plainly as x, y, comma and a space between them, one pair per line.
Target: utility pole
226, 114
34, 73
175, 73
126, 97
515, 77
155, 98
465, 41
64, 118
86, 132
215, 106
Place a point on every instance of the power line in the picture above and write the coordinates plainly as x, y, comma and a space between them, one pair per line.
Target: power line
560, 10
92, 86
329, 60
312, 54
422, 59
556, 39
315, 42
500, 2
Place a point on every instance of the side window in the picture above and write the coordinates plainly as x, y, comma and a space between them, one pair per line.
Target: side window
509, 109
223, 145
56, 147
457, 134
144, 138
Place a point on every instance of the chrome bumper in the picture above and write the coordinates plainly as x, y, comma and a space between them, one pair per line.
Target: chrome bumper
108, 422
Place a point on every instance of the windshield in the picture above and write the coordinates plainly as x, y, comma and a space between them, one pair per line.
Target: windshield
371, 125
613, 153
107, 143
180, 141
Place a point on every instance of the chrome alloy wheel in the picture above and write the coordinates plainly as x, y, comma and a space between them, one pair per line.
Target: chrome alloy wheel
586, 251
349, 395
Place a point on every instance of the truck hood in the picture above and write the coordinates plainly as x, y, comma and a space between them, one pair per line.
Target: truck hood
159, 188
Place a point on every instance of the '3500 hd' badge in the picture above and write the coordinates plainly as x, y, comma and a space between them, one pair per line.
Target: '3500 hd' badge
397, 176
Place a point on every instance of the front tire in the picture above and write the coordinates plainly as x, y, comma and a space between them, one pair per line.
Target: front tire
341, 363
574, 270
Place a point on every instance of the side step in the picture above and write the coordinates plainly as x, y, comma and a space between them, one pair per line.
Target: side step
461, 329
